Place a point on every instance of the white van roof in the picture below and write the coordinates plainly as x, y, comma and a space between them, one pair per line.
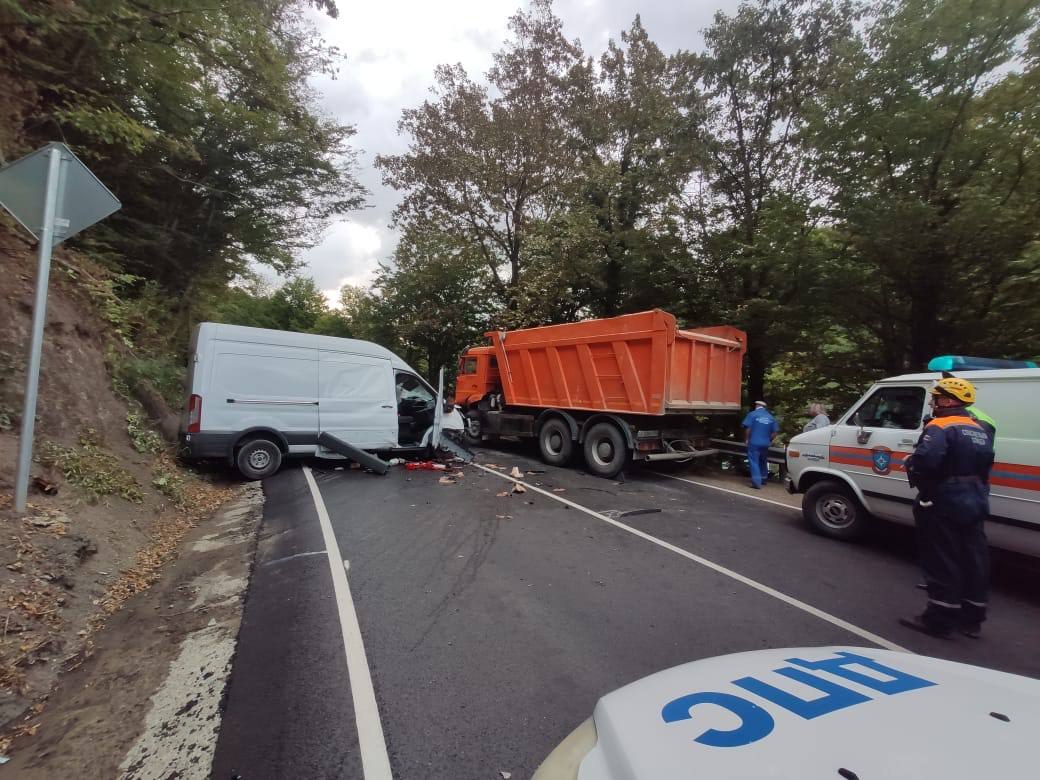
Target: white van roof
971, 376
287, 338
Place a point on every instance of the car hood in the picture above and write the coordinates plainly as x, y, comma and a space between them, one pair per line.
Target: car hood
817, 712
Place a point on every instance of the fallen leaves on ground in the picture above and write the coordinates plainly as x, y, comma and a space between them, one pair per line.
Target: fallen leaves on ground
518, 488
447, 481
516, 472
503, 494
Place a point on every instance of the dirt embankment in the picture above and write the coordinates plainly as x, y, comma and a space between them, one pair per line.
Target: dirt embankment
120, 505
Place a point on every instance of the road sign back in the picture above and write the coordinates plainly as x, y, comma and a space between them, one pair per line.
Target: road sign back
82, 199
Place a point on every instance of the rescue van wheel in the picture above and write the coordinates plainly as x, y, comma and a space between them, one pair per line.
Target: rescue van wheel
831, 509
258, 458
606, 451
554, 442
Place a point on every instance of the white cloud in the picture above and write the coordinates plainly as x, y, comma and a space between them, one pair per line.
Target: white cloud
391, 49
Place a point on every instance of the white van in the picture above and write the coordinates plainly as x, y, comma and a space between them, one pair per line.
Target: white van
258, 395
853, 469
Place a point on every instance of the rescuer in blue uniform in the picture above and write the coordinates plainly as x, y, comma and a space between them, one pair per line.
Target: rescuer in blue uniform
950, 468
760, 428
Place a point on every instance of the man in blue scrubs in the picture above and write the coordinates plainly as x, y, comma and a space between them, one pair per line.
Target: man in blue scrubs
759, 429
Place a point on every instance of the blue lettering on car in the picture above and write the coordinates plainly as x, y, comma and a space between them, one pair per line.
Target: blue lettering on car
756, 722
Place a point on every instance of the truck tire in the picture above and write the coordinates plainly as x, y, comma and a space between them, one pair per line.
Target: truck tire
606, 451
258, 459
472, 433
555, 443
832, 510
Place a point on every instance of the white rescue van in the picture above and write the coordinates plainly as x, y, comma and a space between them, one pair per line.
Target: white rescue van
801, 713
854, 469
258, 395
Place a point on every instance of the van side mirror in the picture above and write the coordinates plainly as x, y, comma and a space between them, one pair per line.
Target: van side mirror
862, 435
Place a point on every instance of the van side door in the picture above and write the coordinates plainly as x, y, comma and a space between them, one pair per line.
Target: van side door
357, 399
262, 386
872, 451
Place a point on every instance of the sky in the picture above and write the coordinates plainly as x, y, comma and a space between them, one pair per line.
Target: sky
389, 50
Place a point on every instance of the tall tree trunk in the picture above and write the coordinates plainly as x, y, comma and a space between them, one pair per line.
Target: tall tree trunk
756, 367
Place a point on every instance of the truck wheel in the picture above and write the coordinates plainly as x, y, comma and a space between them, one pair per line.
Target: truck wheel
471, 434
554, 442
258, 458
831, 509
606, 451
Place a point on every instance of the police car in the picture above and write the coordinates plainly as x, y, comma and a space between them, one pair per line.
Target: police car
854, 469
830, 712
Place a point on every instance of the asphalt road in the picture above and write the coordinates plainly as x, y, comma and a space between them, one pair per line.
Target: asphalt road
492, 624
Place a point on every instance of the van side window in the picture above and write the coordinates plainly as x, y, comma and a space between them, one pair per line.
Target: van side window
892, 407
413, 392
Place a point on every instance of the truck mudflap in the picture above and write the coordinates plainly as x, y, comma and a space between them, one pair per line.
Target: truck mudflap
366, 459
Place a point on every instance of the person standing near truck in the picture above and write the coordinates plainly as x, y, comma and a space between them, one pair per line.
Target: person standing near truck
760, 428
950, 468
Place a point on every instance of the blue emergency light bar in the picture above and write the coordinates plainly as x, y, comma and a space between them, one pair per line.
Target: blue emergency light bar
961, 363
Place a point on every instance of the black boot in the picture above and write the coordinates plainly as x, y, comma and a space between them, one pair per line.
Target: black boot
919, 623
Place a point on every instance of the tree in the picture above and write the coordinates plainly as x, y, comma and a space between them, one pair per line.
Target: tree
200, 119
435, 298
486, 163
637, 154
929, 140
746, 97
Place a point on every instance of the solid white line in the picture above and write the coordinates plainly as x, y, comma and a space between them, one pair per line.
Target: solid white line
732, 492
837, 621
375, 763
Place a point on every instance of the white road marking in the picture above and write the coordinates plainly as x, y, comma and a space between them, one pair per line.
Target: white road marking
826, 616
375, 763
731, 492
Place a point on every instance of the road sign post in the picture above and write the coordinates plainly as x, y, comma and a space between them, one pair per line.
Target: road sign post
54, 196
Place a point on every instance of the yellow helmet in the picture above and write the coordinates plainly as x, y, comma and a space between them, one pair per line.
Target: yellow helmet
961, 389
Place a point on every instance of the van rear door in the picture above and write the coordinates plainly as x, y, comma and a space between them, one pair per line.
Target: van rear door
357, 399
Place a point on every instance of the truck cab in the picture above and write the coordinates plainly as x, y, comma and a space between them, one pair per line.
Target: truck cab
854, 470
478, 375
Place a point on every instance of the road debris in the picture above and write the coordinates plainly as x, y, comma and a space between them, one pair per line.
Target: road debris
516, 472
425, 465
45, 486
559, 490
518, 488
503, 494
447, 481
505, 775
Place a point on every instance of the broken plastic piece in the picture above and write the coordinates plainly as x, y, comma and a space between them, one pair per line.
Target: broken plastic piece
425, 465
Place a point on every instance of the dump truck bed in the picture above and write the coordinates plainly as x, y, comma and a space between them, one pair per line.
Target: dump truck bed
636, 364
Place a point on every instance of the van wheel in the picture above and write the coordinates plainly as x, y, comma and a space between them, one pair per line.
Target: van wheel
606, 451
554, 442
258, 458
831, 509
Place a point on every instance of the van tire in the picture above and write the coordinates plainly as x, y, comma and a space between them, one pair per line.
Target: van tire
555, 443
258, 459
831, 509
606, 451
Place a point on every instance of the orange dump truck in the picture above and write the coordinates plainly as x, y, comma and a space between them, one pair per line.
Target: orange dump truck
622, 388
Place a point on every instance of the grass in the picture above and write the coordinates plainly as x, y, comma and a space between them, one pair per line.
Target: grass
91, 467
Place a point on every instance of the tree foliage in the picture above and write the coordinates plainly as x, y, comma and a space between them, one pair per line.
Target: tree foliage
197, 115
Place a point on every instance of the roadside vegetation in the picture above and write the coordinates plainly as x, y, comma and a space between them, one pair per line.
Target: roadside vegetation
854, 184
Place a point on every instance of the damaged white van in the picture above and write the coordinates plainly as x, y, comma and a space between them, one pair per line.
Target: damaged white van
257, 396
